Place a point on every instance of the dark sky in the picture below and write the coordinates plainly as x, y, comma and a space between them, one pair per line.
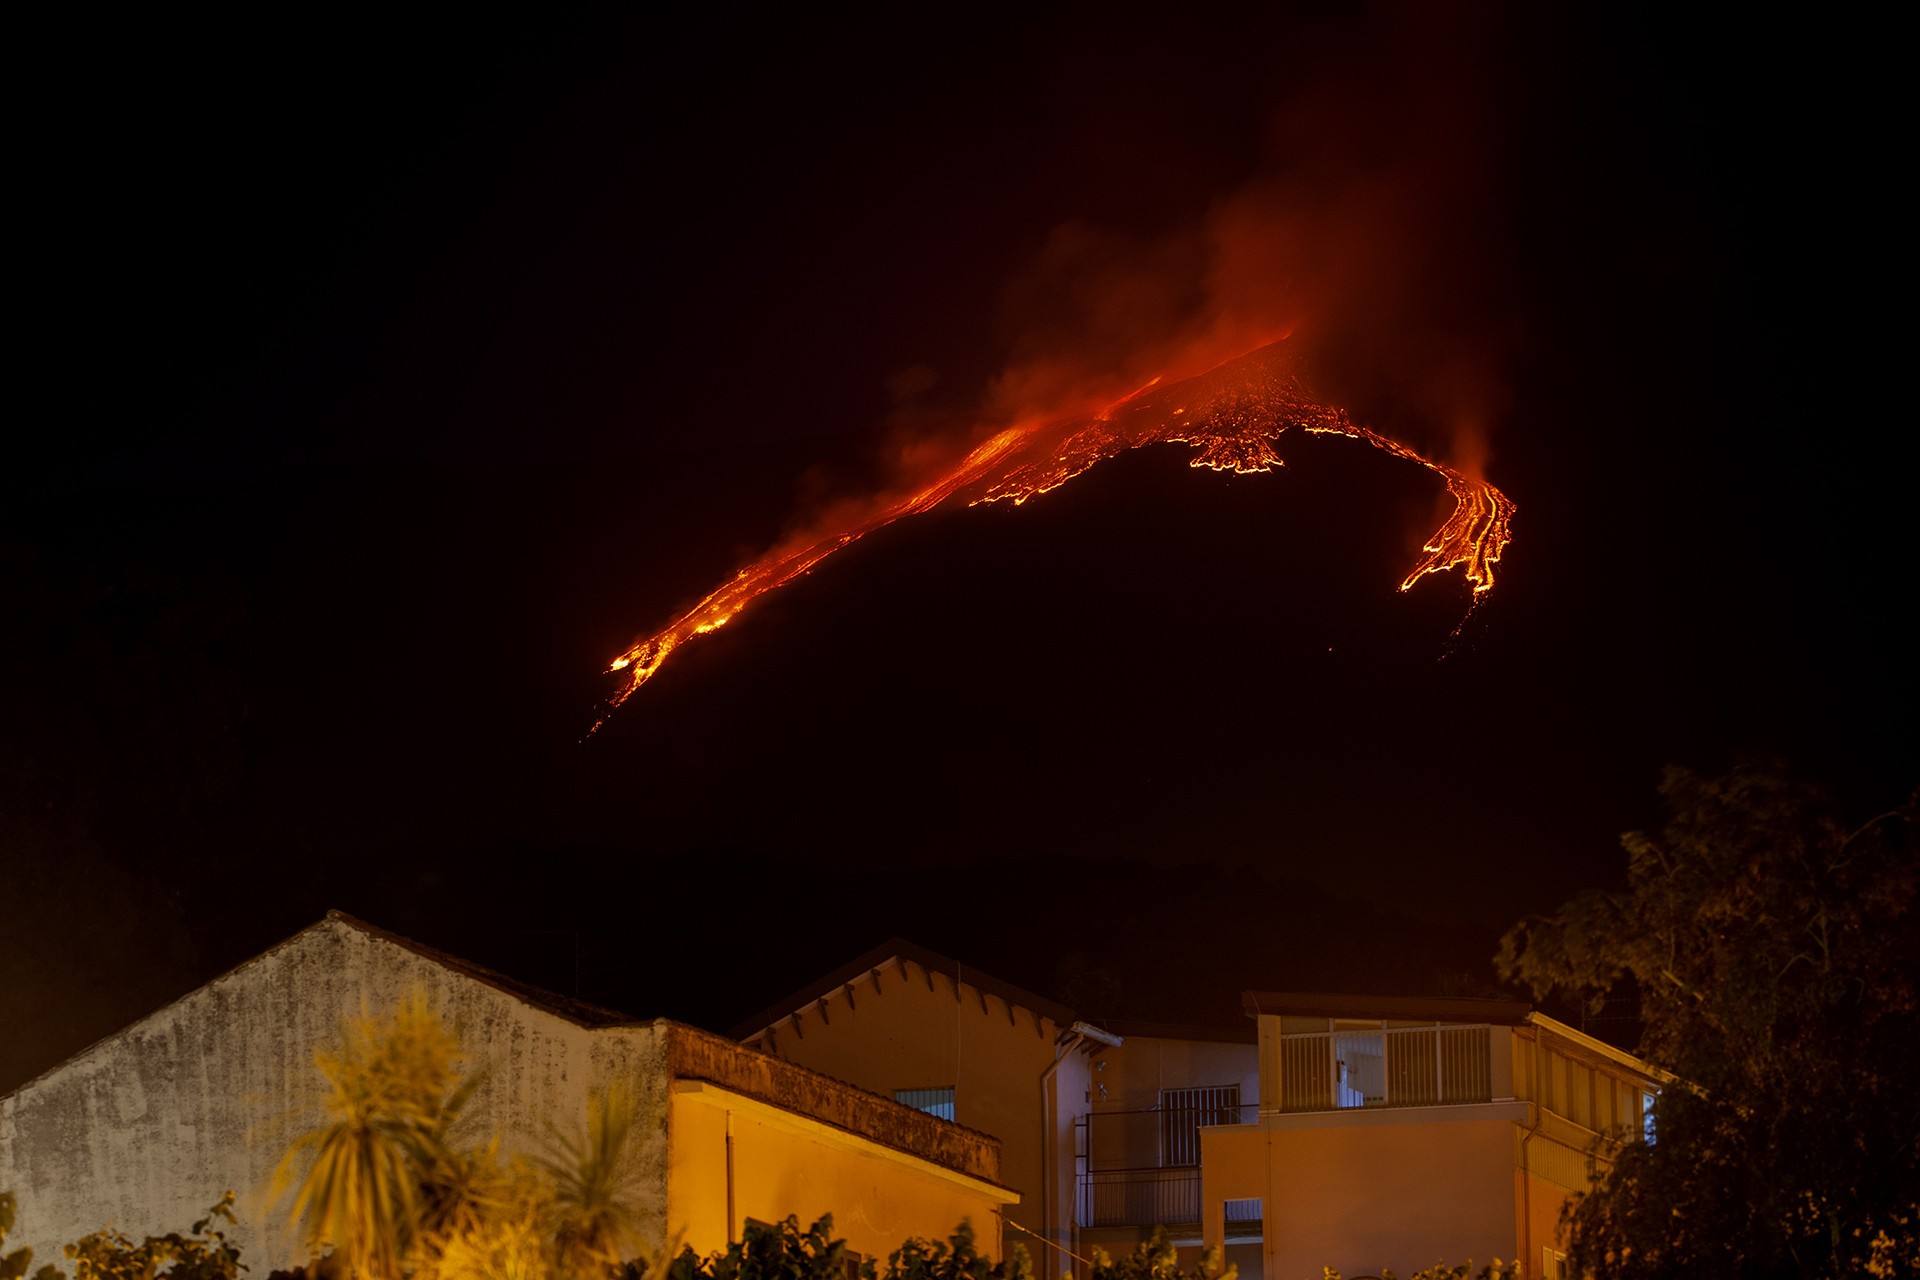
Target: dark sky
380, 382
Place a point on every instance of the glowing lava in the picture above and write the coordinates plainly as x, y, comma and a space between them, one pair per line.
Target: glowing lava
1231, 416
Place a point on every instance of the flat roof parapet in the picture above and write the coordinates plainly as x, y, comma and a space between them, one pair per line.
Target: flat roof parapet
693, 1054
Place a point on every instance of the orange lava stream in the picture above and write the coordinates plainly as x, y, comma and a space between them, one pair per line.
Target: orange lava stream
1231, 416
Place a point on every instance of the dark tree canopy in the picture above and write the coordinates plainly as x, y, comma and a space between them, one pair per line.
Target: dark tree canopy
1774, 950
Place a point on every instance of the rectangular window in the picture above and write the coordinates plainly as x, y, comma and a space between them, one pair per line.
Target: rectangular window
935, 1102
1183, 1112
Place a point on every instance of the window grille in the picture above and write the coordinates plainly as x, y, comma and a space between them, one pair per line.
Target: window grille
935, 1102
1182, 1114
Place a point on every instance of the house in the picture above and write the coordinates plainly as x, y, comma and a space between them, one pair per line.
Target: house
1098, 1125
1402, 1132
1357, 1132
146, 1128
1139, 1145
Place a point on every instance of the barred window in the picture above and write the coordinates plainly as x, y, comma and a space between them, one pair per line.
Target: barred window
1183, 1112
935, 1102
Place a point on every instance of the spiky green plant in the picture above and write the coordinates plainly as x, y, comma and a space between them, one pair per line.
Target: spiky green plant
394, 1092
597, 1179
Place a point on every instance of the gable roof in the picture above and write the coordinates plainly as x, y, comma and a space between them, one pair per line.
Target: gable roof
900, 949
578, 1012
1318, 1004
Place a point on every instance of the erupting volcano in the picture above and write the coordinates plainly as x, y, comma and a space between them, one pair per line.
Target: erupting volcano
1230, 415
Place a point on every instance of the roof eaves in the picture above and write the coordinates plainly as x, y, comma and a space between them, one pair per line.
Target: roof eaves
899, 949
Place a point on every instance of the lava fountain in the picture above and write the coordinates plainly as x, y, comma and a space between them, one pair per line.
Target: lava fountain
1231, 416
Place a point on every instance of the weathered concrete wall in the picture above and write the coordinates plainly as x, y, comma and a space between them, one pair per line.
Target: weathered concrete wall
147, 1128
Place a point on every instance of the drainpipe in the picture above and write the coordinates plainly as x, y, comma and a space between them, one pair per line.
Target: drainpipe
732, 1232
1076, 1035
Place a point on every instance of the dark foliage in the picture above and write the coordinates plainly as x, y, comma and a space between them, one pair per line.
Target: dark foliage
1774, 951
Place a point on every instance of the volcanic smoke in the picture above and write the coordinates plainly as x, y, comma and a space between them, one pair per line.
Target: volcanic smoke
1230, 415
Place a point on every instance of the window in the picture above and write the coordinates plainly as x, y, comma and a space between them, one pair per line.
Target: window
935, 1102
1553, 1264
1183, 1112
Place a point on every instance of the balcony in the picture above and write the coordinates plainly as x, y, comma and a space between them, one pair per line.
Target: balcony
1151, 1198
1384, 1066
1142, 1168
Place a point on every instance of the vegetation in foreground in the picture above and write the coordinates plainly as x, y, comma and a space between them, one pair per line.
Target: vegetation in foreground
1775, 955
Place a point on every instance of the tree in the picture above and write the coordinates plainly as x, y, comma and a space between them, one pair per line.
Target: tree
393, 1186
1773, 951
394, 1090
13, 1266
1156, 1259
204, 1253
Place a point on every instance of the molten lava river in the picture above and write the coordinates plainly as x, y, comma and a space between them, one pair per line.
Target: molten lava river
1230, 415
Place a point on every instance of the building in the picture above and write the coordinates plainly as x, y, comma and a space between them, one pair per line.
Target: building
1347, 1131
1139, 1150
1403, 1132
960, 1045
146, 1128
1098, 1125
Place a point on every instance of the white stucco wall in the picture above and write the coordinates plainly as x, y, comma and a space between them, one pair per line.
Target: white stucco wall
147, 1128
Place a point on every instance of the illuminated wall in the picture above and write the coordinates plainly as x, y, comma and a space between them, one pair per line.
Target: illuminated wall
1351, 1180
147, 1128
735, 1159
901, 1023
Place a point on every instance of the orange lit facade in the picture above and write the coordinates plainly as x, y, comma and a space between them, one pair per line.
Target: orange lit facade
1397, 1133
1347, 1131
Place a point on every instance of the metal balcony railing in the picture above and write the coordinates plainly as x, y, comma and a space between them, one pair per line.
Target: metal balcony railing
1141, 1168
1390, 1067
1139, 1197
1151, 1198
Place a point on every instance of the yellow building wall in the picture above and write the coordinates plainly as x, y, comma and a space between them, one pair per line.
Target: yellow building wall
920, 1030
731, 1158
1540, 1205
1136, 1072
1363, 1192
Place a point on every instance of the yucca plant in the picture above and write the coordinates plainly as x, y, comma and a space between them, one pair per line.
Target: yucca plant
597, 1184
383, 1159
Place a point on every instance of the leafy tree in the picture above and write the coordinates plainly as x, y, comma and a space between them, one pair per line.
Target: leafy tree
785, 1252
1495, 1270
13, 1266
1774, 953
1156, 1259
778, 1252
204, 1253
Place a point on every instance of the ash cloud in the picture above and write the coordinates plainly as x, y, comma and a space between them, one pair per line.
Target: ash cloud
1373, 231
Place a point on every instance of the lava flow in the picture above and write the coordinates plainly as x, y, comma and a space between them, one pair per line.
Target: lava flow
1231, 416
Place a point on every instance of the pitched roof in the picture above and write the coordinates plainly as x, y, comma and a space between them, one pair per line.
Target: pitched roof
578, 1012
1315, 1004
901, 949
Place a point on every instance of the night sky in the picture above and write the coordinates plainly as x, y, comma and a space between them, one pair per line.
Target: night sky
381, 382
